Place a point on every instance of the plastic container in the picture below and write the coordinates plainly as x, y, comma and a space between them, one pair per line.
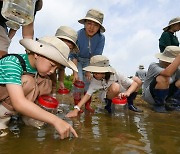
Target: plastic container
19, 11
119, 106
48, 103
78, 91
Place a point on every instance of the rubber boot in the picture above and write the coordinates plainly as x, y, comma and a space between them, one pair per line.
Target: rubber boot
88, 107
108, 105
159, 97
76, 103
130, 100
173, 103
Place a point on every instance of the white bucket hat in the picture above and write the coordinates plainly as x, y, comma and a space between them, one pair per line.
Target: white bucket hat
65, 32
141, 66
96, 16
52, 48
172, 22
169, 54
100, 64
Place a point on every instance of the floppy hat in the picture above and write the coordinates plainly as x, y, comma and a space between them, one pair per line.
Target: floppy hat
141, 66
169, 54
99, 63
172, 22
65, 32
96, 16
50, 47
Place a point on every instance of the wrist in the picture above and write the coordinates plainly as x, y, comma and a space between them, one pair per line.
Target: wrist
77, 107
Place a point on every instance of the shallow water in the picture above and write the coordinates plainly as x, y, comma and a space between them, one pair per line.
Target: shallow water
146, 132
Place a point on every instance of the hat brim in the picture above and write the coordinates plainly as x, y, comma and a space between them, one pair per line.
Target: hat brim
76, 49
161, 57
99, 69
82, 21
47, 51
165, 28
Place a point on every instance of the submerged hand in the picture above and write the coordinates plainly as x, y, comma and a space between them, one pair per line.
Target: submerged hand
64, 129
72, 114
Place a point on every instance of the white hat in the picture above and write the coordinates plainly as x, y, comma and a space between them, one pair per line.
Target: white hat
169, 54
65, 32
99, 63
172, 22
96, 16
52, 48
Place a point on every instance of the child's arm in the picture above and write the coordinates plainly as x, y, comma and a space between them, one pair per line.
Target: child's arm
130, 90
74, 113
30, 109
169, 71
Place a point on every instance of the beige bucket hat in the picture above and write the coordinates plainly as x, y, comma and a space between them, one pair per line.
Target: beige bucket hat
96, 16
169, 54
99, 63
52, 48
172, 22
65, 32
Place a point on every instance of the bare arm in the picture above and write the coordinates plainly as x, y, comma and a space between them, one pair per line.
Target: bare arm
169, 71
28, 31
30, 109
61, 77
74, 113
75, 74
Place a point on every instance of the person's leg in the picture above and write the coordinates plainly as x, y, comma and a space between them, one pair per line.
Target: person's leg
159, 89
112, 92
173, 99
4, 41
132, 97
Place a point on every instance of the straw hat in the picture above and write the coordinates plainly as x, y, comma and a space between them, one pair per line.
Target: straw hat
172, 22
99, 63
52, 48
169, 54
96, 16
141, 66
65, 32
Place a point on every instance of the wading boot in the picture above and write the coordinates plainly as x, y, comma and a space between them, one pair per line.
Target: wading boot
130, 100
88, 107
173, 103
159, 97
108, 105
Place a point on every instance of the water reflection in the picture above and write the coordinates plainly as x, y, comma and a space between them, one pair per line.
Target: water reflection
100, 132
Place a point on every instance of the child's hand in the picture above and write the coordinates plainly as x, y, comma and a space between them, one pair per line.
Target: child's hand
64, 128
125, 94
72, 114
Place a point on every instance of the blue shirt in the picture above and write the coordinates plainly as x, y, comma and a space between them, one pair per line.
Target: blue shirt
89, 47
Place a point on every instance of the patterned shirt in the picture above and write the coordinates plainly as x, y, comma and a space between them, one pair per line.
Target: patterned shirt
102, 85
11, 69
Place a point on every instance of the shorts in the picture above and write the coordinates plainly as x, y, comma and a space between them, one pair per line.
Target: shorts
5, 116
4, 40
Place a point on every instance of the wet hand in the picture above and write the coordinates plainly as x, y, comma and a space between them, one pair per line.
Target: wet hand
64, 129
72, 114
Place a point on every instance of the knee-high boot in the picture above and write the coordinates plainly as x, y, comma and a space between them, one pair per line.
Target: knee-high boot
173, 103
130, 100
88, 107
160, 96
108, 105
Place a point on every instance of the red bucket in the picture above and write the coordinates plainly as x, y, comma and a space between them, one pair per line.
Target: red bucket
63, 91
48, 101
118, 101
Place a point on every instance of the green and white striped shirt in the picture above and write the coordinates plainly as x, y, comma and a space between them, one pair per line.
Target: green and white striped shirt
11, 69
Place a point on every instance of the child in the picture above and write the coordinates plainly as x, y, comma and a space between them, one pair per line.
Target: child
68, 36
90, 42
108, 82
162, 81
18, 92
169, 37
